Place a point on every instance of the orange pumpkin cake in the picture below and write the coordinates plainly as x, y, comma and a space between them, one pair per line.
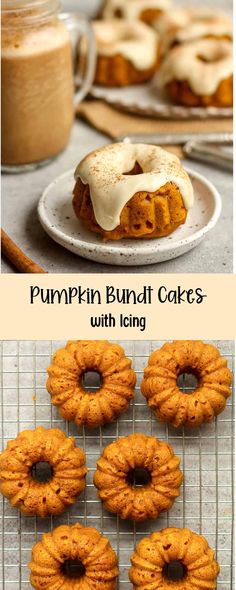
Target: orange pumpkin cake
199, 73
132, 191
127, 52
126, 461
65, 385
21, 487
154, 556
165, 398
81, 551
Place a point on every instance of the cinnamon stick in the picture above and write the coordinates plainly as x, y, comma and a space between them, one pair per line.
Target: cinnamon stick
17, 257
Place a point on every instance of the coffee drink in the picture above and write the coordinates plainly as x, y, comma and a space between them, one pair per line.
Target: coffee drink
37, 85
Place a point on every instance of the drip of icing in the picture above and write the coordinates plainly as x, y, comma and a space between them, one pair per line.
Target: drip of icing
135, 41
185, 25
172, 19
184, 63
131, 9
182, 17
214, 27
105, 171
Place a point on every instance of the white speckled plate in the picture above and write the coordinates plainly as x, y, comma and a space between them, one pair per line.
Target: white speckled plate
59, 221
149, 100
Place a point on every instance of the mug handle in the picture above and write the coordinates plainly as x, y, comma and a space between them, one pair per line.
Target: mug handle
77, 22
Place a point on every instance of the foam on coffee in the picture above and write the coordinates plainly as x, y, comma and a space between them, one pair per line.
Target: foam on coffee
37, 40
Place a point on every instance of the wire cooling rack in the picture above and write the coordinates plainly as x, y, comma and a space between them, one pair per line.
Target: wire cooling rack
206, 501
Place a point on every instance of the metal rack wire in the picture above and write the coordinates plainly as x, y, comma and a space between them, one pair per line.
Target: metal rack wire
206, 501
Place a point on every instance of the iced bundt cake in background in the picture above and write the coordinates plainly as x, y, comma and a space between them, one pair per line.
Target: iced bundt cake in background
199, 73
127, 53
189, 24
148, 11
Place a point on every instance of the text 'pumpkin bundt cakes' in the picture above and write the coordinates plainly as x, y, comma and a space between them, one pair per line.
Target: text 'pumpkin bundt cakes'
199, 73
66, 372
128, 190
21, 487
127, 52
157, 557
73, 558
126, 462
161, 390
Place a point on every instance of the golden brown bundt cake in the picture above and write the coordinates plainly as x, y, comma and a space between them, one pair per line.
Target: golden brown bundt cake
161, 390
68, 366
127, 52
133, 459
181, 93
154, 555
199, 73
85, 549
132, 191
68, 471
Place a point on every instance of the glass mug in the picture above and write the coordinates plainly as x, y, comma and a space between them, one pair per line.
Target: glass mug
38, 96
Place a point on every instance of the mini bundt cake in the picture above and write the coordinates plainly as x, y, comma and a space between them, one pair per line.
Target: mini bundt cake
187, 24
65, 385
132, 191
133, 459
53, 558
127, 53
154, 556
161, 390
68, 472
199, 73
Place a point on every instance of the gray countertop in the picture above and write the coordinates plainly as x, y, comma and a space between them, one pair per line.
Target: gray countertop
20, 195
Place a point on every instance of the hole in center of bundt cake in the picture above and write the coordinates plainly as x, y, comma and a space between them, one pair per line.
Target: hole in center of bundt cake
137, 169
138, 477
42, 471
174, 571
91, 381
187, 381
73, 568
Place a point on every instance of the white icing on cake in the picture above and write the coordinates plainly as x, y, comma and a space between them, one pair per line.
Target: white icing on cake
135, 41
183, 63
189, 24
172, 19
132, 9
105, 171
